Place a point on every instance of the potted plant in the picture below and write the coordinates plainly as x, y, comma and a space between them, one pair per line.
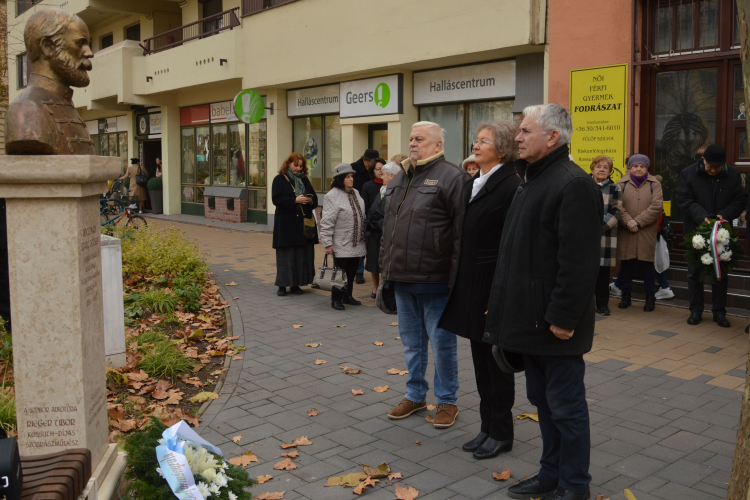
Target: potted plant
156, 195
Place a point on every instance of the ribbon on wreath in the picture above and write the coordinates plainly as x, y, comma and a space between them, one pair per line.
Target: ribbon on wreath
715, 249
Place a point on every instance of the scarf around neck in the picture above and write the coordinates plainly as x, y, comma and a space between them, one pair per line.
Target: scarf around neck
359, 219
639, 180
296, 180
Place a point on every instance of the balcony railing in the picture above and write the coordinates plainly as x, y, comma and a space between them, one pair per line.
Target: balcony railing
203, 28
252, 6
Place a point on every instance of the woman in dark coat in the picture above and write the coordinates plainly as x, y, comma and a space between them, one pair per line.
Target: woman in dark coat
371, 189
488, 196
295, 200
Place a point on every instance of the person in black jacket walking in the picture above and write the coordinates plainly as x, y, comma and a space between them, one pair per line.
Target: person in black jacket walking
487, 197
542, 299
362, 175
709, 189
295, 200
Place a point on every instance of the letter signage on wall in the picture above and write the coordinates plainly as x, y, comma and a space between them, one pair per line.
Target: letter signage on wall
494, 80
313, 101
598, 106
222, 112
148, 126
382, 95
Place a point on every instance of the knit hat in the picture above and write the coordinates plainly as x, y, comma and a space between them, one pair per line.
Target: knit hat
639, 159
470, 159
342, 169
371, 154
715, 155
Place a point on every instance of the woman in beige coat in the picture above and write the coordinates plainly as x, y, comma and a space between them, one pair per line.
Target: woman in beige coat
641, 208
134, 190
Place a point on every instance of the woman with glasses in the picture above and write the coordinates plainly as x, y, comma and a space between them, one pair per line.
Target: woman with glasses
601, 169
487, 197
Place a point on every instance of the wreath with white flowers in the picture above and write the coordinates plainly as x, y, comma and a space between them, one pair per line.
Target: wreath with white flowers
713, 248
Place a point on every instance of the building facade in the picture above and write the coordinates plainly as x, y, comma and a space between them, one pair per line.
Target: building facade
340, 75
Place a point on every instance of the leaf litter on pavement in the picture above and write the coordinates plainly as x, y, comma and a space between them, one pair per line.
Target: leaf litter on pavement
368, 477
278, 495
501, 476
264, 479
531, 416
408, 493
300, 441
243, 460
396, 371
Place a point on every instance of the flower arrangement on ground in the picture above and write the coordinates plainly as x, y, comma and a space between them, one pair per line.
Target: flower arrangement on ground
164, 463
713, 248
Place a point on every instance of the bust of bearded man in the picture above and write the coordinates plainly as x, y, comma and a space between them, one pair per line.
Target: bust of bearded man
42, 120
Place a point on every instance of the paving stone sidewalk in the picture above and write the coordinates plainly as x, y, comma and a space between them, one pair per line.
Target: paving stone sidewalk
663, 433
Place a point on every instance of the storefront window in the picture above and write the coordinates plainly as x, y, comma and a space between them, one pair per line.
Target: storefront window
122, 138
255, 161
256, 199
308, 141
202, 155
332, 154
237, 154
97, 148
188, 157
685, 122
500, 111
219, 146
451, 118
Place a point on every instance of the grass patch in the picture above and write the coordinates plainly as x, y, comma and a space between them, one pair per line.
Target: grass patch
162, 358
8, 410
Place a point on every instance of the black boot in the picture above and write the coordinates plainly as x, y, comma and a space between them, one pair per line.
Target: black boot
296, 290
337, 295
476, 442
492, 448
650, 302
625, 301
348, 299
282, 291
695, 318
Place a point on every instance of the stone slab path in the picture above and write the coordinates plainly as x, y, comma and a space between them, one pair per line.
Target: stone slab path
664, 397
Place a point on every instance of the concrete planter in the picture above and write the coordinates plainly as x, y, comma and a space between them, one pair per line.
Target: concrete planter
157, 201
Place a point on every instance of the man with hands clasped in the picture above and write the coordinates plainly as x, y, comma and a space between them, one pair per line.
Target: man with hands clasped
542, 300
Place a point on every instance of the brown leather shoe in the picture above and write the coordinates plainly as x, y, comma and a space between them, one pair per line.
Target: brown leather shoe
446, 416
405, 408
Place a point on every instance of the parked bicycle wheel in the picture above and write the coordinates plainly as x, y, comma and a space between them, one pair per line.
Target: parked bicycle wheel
136, 222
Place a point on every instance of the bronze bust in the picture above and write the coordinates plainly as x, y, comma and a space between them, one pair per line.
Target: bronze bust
42, 120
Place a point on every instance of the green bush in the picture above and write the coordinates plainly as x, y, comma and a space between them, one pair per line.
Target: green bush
154, 184
7, 411
156, 301
163, 359
161, 251
6, 342
189, 290
147, 484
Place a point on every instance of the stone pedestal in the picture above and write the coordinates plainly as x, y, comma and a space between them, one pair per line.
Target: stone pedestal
55, 265
114, 308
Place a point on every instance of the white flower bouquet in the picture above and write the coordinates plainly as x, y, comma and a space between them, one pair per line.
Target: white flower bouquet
713, 248
165, 463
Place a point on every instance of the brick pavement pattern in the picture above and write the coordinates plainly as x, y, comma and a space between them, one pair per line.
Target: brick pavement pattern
663, 396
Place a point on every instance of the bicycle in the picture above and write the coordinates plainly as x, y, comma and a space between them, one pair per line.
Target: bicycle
120, 213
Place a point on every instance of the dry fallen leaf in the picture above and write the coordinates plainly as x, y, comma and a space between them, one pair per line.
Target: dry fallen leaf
395, 475
381, 388
313, 344
406, 493
430, 407
290, 454
285, 465
203, 396
601, 497
419, 443
237, 438
351, 371
351, 480
320, 361
502, 476
296, 326
378, 343
236, 358
532, 416
232, 284
367, 482
381, 470
395, 323
629, 495
340, 326
430, 418
278, 495
312, 413
300, 441
264, 479
396, 371
235, 298
396, 338
243, 460
357, 392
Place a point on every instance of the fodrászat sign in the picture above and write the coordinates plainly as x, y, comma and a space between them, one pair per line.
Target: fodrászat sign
494, 80
313, 101
382, 95
598, 107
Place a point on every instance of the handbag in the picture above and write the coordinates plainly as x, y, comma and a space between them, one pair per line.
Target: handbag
661, 255
309, 228
141, 178
667, 232
385, 299
326, 277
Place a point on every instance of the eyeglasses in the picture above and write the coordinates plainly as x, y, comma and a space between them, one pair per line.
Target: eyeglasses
483, 142
378, 169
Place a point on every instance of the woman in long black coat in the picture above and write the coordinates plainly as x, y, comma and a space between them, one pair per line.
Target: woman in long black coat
487, 198
295, 200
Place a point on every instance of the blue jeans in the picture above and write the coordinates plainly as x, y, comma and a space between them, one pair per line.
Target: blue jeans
361, 268
554, 384
661, 278
418, 316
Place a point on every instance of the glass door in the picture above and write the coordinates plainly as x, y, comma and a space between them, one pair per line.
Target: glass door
377, 138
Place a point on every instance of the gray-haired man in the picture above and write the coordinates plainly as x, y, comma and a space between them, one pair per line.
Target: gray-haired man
542, 299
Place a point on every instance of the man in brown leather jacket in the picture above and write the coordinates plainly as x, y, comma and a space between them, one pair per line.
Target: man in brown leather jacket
419, 251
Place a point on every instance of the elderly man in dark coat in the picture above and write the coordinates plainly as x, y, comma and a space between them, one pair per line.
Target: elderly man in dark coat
542, 299
709, 189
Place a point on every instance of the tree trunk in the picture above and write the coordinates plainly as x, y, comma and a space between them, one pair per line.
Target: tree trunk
739, 483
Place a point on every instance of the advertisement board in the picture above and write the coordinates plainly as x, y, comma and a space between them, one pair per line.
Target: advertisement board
313, 101
598, 107
382, 95
494, 80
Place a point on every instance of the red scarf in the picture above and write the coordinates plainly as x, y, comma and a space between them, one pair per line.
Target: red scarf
377, 181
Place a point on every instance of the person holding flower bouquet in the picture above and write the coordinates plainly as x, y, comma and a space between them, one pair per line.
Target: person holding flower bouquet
709, 189
641, 208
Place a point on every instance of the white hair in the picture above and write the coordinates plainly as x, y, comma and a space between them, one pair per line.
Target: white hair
438, 133
551, 117
391, 168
